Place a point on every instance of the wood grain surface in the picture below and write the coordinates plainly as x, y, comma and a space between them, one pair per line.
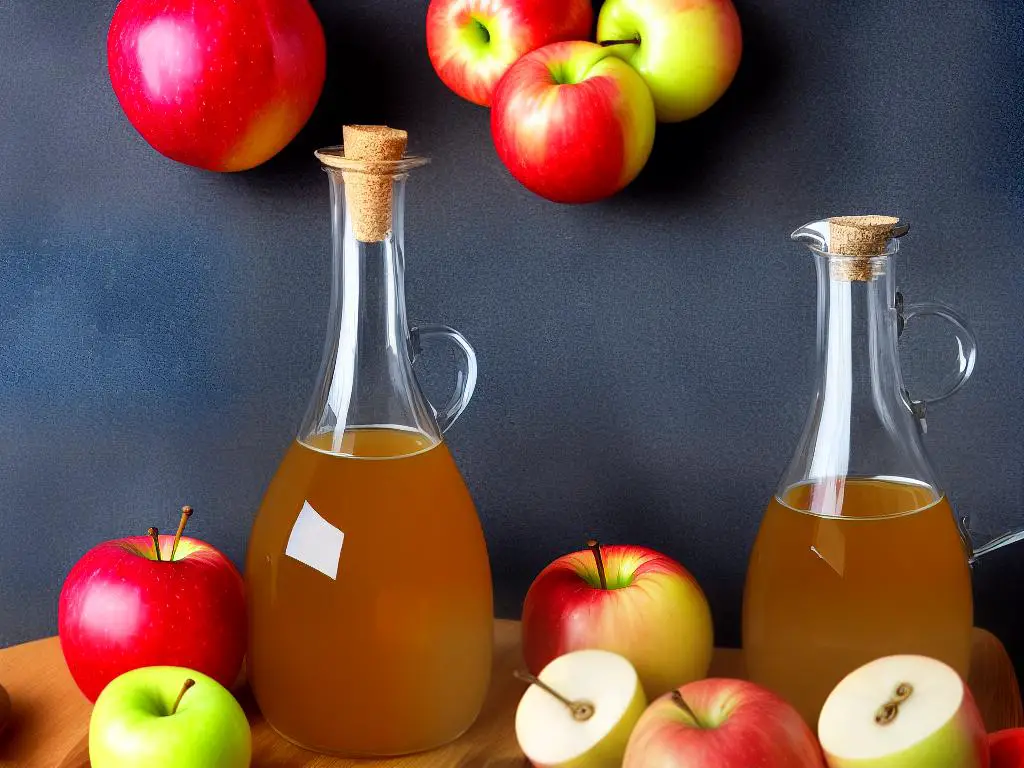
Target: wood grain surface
50, 718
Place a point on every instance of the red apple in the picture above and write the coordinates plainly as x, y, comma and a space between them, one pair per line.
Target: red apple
639, 604
218, 84
572, 122
722, 724
121, 608
1006, 748
472, 43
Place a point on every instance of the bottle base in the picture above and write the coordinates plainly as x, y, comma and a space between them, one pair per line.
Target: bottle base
367, 755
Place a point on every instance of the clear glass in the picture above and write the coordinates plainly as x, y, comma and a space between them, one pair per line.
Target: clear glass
859, 554
369, 586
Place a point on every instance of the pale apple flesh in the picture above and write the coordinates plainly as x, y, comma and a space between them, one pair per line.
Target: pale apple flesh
134, 725
687, 51
724, 724
653, 613
935, 723
548, 733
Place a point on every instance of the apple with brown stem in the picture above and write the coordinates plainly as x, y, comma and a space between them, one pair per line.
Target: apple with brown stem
629, 600
145, 601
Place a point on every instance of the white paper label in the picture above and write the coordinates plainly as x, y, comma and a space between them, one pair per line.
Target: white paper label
315, 542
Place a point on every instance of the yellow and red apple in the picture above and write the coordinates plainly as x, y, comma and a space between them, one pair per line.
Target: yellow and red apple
572, 122
219, 85
720, 723
687, 51
472, 43
629, 600
122, 607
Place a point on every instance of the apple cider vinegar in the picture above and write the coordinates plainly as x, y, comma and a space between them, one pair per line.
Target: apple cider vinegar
369, 596
847, 571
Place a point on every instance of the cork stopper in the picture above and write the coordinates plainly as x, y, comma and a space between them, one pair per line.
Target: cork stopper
857, 239
369, 192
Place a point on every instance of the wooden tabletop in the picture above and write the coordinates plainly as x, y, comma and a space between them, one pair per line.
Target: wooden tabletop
50, 718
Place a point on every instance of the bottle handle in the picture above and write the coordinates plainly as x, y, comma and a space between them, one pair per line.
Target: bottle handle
465, 383
965, 338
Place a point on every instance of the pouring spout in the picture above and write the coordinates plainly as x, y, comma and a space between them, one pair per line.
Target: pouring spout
814, 234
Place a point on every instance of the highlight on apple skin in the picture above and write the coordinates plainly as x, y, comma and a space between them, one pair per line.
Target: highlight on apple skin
687, 51
217, 85
719, 723
903, 712
472, 43
572, 122
652, 612
120, 609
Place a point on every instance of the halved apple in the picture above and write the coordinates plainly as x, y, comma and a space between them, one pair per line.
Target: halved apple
904, 712
582, 714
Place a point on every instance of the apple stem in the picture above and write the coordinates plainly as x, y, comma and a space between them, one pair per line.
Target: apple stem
595, 547
679, 701
631, 41
581, 710
187, 684
155, 535
186, 513
888, 711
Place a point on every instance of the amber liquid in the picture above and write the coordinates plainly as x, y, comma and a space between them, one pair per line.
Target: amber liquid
849, 571
393, 654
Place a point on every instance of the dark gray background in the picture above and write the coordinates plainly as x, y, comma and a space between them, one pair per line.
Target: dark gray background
645, 361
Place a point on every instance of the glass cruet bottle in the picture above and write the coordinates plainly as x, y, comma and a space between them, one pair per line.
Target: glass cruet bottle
369, 586
859, 554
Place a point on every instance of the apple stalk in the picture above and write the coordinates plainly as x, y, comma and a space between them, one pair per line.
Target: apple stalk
581, 710
679, 701
186, 513
184, 689
154, 534
595, 547
630, 41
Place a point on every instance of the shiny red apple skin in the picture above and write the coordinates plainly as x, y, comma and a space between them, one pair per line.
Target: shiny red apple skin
120, 610
741, 725
654, 614
218, 84
1006, 748
471, 61
573, 123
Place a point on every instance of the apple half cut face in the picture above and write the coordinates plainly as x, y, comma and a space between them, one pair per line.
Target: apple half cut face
910, 711
548, 732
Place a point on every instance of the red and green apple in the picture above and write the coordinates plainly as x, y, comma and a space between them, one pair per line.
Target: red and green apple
123, 606
720, 723
472, 43
572, 122
168, 717
687, 51
219, 85
629, 600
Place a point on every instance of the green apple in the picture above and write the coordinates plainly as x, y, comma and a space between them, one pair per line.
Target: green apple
153, 717
580, 711
687, 51
902, 712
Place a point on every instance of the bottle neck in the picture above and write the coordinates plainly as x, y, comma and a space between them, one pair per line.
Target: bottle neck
861, 423
366, 379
